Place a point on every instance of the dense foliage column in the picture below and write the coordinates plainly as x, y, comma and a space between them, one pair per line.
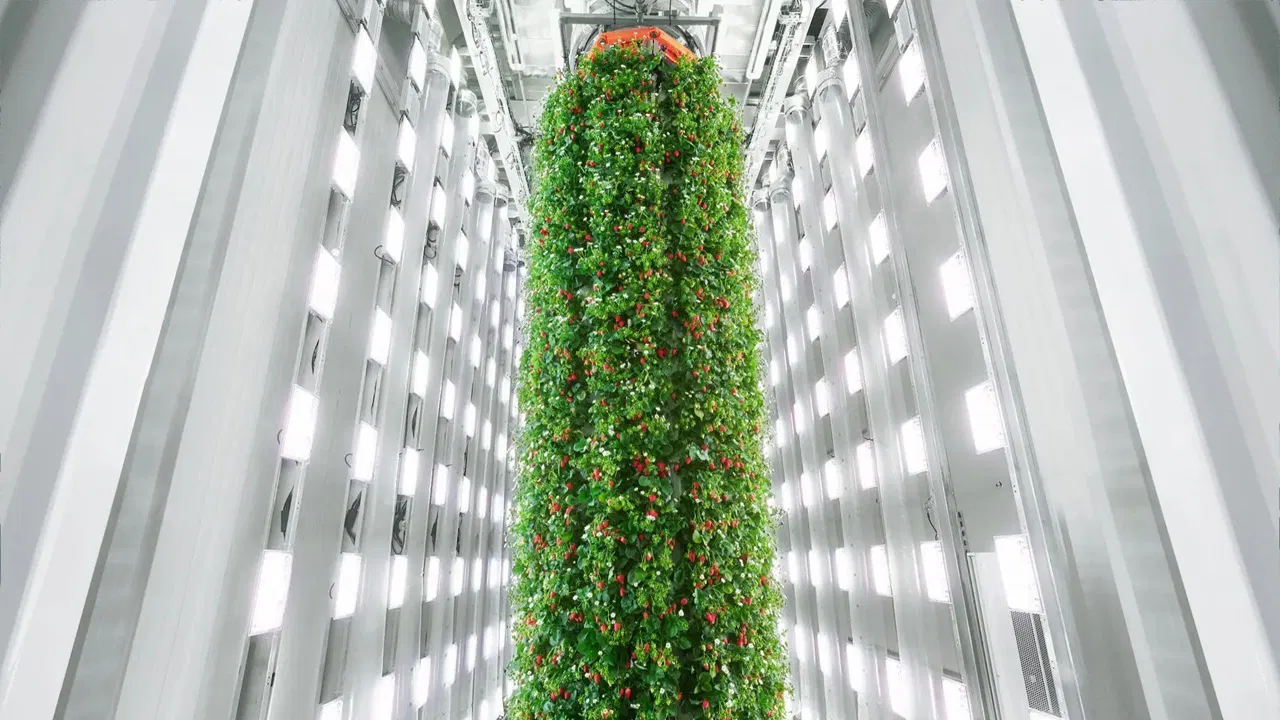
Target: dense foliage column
643, 543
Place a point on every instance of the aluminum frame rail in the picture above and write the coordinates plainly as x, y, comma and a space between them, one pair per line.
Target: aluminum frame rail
475, 28
795, 28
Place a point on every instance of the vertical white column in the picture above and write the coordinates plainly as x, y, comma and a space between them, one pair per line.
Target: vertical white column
101, 429
1172, 324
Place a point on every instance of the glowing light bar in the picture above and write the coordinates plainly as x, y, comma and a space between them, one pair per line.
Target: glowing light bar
272, 591
325, 278
393, 244
364, 60
346, 164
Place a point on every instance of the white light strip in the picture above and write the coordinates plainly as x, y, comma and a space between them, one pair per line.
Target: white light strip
393, 243
271, 591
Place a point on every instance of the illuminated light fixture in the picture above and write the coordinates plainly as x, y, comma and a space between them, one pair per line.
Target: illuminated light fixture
464, 250
913, 448
784, 498
474, 352
816, 576
325, 278
852, 371
808, 497
271, 592
504, 386
820, 141
831, 478
469, 419
421, 682
432, 579
800, 637
829, 209
955, 698
348, 586
441, 494
840, 284
813, 322
852, 79
957, 290
380, 337
487, 437
477, 576
881, 581
797, 191
439, 205
933, 170
364, 60
457, 577
446, 135
430, 285
399, 574
393, 244
865, 151
471, 652
464, 494
299, 425
911, 72
490, 372
482, 504
409, 471
384, 697
793, 566
806, 253
331, 710
792, 351
407, 145
824, 652
417, 63
878, 239
798, 419
366, 453
1018, 573
346, 164
450, 665
899, 686
455, 66
984, 417
455, 322
895, 336
448, 401
934, 566
811, 75
853, 661
866, 465
844, 569
418, 380
495, 314
820, 397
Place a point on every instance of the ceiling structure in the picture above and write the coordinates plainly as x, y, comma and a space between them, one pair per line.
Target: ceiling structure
511, 51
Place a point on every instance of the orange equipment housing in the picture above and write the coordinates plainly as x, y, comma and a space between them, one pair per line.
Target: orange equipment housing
671, 48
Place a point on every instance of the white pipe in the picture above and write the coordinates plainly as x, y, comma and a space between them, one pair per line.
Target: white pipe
764, 33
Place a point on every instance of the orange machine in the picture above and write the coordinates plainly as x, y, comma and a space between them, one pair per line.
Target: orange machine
671, 48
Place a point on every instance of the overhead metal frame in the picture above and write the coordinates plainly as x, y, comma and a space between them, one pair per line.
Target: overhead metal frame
605, 22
